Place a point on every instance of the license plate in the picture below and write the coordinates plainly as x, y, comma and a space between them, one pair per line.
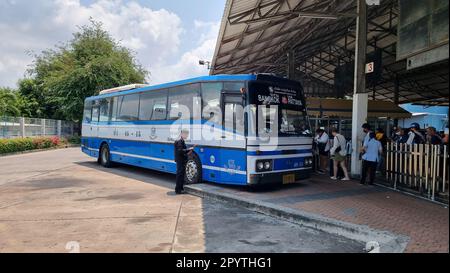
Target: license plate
288, 178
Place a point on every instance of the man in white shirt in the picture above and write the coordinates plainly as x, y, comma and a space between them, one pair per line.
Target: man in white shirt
323, 144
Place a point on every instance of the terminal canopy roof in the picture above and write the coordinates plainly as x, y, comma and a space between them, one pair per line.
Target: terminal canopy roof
256, 35
343, 108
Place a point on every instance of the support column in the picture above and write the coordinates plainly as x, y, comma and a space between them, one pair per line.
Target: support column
58, 128
396, 95
22, 127
388, 127
43, 129
360, 97
291, 65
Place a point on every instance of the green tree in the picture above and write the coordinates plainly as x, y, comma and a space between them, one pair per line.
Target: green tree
61, 78
11, 103
34, 101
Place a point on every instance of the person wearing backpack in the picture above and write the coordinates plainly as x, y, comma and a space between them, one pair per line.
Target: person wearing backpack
414, 135
338, 154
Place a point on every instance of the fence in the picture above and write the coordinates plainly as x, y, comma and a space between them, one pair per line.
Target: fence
422, 168
13, 127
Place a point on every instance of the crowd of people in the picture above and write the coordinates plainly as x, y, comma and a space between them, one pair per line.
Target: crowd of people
372, 151
416, 136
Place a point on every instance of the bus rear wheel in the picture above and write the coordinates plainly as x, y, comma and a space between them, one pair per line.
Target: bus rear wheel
193, 170
105, 156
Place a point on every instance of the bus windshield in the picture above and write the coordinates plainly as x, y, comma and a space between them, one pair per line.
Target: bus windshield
290, 103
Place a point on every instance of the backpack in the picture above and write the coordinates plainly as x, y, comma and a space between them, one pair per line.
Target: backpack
418, 139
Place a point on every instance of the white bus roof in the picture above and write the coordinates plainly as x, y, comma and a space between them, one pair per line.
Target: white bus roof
122, 88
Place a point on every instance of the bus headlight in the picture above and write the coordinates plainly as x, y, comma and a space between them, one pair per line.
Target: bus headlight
263, 165
308, 162
259, 166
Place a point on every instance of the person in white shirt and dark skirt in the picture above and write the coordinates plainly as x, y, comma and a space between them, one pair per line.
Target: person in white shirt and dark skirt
371, 156
323, 146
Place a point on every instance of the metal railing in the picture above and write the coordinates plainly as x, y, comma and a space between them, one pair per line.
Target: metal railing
422, 168
15, 127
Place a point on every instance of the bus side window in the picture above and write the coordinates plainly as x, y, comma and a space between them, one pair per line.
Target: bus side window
113, 108
104, 109
234, 113
128, 108
211, 93
160, 106
95, 111
153, 105
233, 86
181, 101
87, 113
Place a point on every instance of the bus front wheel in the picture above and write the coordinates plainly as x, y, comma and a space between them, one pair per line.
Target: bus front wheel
193, 170
105, 156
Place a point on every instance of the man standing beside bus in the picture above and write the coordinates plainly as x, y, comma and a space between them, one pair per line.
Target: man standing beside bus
181, 155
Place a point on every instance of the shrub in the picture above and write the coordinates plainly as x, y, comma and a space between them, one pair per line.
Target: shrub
74, 140
55, 140
25, 144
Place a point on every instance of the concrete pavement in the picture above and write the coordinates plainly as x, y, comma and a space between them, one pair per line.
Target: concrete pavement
57, 201
399, 222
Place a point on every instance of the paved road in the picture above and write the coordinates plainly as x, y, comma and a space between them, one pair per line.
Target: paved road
48, 199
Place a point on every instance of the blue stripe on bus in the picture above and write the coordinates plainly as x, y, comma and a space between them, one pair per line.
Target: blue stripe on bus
187, 81
219, 164
288, 163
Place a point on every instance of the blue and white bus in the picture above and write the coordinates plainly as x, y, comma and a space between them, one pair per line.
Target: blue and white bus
262, 137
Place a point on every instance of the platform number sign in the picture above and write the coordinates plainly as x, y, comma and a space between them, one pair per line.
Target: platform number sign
373, 2
370, 67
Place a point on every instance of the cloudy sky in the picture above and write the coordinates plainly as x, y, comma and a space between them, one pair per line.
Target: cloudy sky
168, 36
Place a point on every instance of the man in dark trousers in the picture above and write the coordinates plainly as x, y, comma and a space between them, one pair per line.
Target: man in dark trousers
181, 155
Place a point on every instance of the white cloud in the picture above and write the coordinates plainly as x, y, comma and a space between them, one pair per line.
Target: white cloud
155, 35
188, 65
33, 26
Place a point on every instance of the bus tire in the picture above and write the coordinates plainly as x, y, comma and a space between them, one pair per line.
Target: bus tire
104, 158
193, 170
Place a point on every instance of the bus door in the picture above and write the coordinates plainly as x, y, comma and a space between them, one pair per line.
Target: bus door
94, 125
233, 139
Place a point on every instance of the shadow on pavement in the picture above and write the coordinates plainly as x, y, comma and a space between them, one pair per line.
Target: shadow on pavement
166, 180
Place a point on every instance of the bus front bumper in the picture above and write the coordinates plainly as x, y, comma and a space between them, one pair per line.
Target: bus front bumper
279, 178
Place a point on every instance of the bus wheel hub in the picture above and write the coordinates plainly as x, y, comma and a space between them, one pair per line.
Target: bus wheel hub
191, 170
104, 155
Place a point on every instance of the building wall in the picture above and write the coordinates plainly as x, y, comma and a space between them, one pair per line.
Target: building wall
427, 120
